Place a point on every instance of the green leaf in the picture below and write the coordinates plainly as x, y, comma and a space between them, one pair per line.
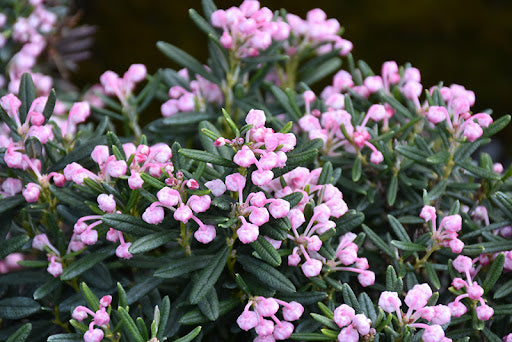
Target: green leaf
150, 242
432, 275
190, 336
209, 305
185, 60
408, 246
383, 246
494, 272
176, 121
300, 336
50, 105
123, 299
349, 221
182, 266
66, 338
231, 123
266, 274
209, 276
207, 157
5, 118
412, 153
367, 306
83, 264
490, 336
350, 298
356, 170
91, 298
504, 202
467, 149
12, 245
128, 224
129, 324
284, 101
27, 94
478, 171
439, 158
294, 198
79, 153
324, 320
320, 71
301, 158
18, 307
196, 317
496, 126
266, 251
21, 334
305, 298
326, 175
45, 289
392, 190
504, 290
399, 230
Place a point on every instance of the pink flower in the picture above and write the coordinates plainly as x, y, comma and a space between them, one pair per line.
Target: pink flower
292, 311
247, 320
216, 186
183, 213
94, 335
122, 251
389, 301
107, 203
366, 278
312, 267
31, 192
343, 315
205, 234
248, 232
153, 215
283, 331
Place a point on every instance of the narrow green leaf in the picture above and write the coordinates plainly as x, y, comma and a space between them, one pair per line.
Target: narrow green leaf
50, 105
349, 221
294, 198
185, 60
142, 288
150, 242
383, 246
5, 118
182, 266
350, 298
391, 278
305, 298
45, 289
209, 305
439, 158
468, 148
177, 121
18, 307
266, 274
165, 308
320, 71
284, 102
496, 126
300, 336
504, 290
478, 171
21, 334
367, 306
392, 190
66, 338
432, 275
356, 170
190, 336
12, 245
326, 175
123, 299
231, 123
130, 325
412, 153
302, 158
79, 153
141, 325
128, 224
504, 202
208, 276
494, 272
207, 157
27, 94
91, 298
408, 246
490, 336
324, 320
196, 317
399, 230
266, 251
83, 264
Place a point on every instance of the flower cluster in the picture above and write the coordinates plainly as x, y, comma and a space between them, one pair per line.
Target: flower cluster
446, 235
274, 329
353, 325
416, 300
200, 92
249, 29
101, 318
474, 291
123, 87
41, 242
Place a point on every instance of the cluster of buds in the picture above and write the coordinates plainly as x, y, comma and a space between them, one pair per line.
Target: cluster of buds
78, 113
416, 300
262, 142
171, 198
353, 326
446, 235
31, 32
317, 32
274, 329
254, 206
249, 29
101, 318
456, 115
464, 265
348, 261
41, 242
329, 203
84, 233
201, 92
123, 87
327, 126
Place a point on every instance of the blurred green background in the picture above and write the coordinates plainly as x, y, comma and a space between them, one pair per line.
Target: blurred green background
468, 42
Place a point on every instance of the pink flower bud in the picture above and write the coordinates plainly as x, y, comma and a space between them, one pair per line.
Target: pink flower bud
183, 213
101, 317
293, 311
136, 73
457, 309
283, 331
106, 301
192, 184
343, 315
348, 334
248, 232
245, 157
456, 245
122, 251
498, 167
205, 234
335, 101
168, 197
94, 335
452, 223
267, 306
312, 267
309, 97
259, 216
79, 313
235, 182
54, 268
226, 40
475, 291
153, 215
433, 333
199, 204
256, 118
279, 208
58, 179
418, 296
376, 157
428, 213
262, 177
437, 114
107, 203
377, 112
116, 168
442, 314
366, 278
362, 324
389, 301
11, 186
36, 118
31, 192
472, 131
79, 112
462, 264
265, 327
100, 154
293, 259
373, 83
89, 237
247, 320
296, 217
216, 186
40, 241
135, 181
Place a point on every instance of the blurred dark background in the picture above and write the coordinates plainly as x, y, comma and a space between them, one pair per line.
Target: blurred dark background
468, 42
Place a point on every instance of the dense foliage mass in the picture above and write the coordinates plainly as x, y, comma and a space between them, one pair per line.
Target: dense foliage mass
256, 206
